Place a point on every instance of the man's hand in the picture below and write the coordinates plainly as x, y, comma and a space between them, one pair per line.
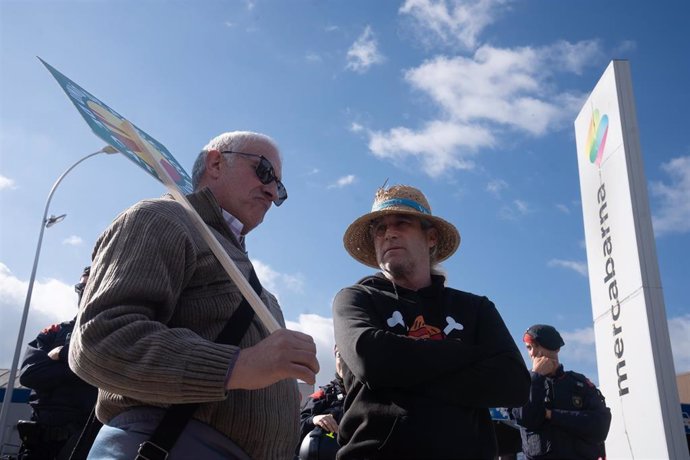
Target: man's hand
544, 366
327, 422
283, 354
54, 354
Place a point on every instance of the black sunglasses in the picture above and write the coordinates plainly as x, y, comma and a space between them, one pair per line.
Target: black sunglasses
266, 174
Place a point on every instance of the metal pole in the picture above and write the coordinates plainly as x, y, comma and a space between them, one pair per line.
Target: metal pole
22, 326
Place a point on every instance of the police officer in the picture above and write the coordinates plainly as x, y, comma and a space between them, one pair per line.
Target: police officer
566, 416
320, 417
60, 400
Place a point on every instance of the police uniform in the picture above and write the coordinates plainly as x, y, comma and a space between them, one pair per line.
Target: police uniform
579, 419
61, 401
327, 400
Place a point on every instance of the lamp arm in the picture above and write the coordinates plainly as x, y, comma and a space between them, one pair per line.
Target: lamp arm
25, 314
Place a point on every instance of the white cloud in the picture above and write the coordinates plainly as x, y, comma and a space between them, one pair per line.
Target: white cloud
507, 87
452, 22
364, 52
321, 329
579, 349
563, 208
73, 240
440, 146
679, 331
344, 181
517, 209
572, 57
496, 186
52, 301
275, 281
356, 127
6, 183
522, 207
673, 215
479, 98
312, 57
624, 47
579, 267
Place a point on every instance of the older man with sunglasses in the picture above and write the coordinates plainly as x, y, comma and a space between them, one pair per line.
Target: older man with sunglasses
158, 301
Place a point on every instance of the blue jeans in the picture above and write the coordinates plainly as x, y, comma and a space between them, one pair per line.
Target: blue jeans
120, 439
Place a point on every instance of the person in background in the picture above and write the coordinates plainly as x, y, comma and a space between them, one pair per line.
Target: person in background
320, 417
566, 416
60, 400
423, 362
147, 331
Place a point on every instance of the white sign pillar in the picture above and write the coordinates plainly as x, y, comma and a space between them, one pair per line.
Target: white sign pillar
636, 372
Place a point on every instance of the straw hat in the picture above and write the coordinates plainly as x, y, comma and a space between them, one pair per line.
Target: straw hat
398, 199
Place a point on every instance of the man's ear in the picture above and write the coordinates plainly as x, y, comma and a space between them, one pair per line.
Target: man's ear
213, 163
432, 237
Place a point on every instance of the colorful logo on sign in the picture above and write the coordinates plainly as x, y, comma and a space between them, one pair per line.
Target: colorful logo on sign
596, 137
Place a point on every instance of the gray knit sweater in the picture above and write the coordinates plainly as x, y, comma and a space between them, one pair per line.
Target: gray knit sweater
156, 300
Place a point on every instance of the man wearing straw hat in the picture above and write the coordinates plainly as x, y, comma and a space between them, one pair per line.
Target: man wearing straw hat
156, 305
424, 362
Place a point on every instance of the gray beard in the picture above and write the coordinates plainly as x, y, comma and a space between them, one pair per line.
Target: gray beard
396, 271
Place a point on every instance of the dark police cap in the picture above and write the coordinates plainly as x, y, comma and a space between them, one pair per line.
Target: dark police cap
545, 335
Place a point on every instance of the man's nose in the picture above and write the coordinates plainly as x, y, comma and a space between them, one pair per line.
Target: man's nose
271, 190
391, 230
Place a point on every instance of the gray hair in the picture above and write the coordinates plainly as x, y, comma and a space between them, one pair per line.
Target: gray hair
235, 141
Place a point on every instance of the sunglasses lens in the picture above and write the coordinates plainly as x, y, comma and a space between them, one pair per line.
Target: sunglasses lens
264, 171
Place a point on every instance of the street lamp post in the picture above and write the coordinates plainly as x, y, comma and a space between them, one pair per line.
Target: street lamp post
45, 222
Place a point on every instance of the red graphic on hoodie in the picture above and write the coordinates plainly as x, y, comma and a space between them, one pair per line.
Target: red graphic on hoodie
421, 330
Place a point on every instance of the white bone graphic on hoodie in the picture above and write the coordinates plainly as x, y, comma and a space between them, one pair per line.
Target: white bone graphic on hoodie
396, 318
452, 325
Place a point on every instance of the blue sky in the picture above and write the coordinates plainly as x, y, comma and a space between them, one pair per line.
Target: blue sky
473, 102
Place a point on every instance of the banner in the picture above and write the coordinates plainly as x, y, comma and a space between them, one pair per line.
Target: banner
155, 159
108, 125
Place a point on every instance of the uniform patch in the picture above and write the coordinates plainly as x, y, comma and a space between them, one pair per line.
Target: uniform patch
318, 394
577, 402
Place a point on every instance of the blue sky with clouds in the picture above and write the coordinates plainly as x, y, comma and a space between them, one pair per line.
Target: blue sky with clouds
473, 102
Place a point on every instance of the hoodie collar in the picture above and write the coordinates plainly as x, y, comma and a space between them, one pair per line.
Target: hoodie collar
379, 281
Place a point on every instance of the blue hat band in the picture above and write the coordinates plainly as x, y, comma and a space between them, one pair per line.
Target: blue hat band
400, 202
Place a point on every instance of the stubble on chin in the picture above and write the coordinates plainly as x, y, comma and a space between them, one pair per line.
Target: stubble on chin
394, 270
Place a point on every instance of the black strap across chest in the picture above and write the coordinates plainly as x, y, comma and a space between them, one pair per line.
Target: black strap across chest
177, 416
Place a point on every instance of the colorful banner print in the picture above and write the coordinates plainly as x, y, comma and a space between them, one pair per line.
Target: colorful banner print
108, 125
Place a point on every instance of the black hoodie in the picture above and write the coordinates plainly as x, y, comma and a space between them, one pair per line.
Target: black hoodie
422, 369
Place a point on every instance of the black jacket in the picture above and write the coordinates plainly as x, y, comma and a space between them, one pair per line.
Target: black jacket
58, 396
579, 420
327, 400
426, 398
